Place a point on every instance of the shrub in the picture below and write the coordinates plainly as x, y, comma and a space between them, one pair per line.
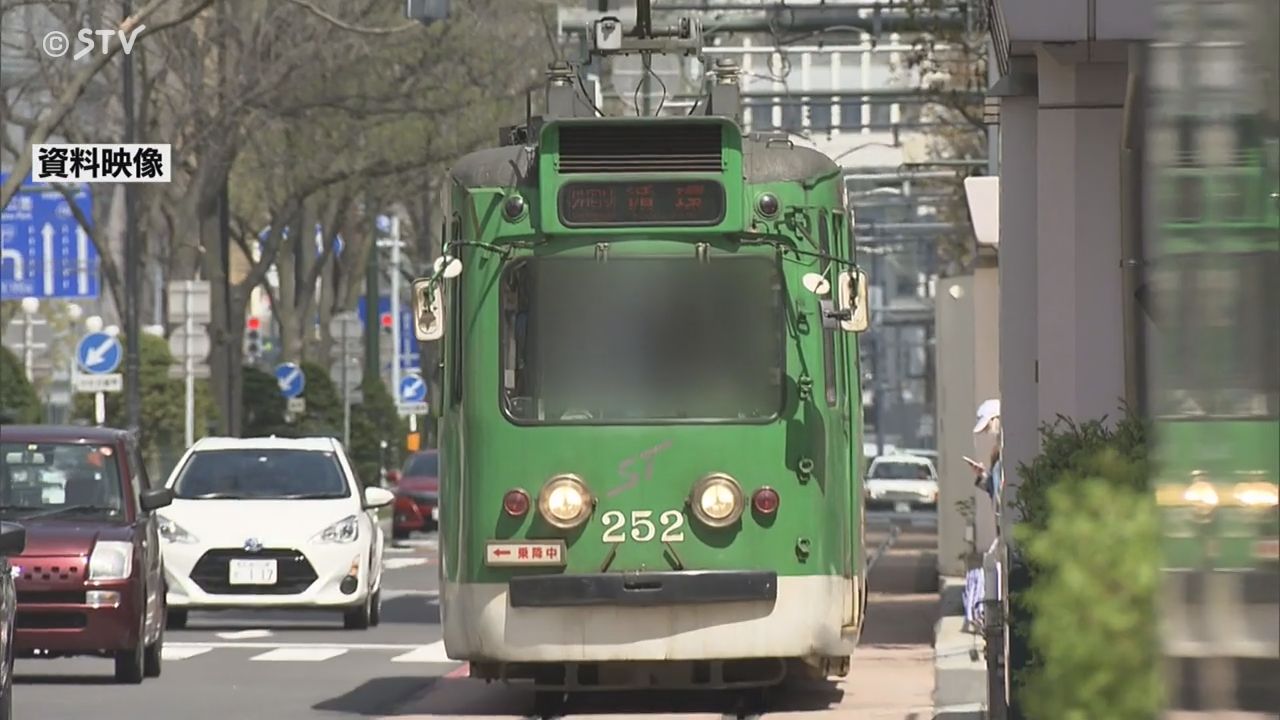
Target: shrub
1071, 453
1093, 601
19, 402
1068, 450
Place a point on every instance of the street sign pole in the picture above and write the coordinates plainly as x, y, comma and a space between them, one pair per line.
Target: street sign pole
189, 371
346, 400
28, 345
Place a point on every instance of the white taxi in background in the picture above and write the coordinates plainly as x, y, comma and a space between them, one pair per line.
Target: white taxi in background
272, 523
905, 481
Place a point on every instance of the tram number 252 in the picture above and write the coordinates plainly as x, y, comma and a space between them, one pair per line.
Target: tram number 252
643, 528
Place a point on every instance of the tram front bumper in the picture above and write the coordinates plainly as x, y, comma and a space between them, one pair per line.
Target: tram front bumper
643, 589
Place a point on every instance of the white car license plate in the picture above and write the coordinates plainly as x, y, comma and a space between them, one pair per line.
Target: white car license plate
435, 513
902, 507
253, 572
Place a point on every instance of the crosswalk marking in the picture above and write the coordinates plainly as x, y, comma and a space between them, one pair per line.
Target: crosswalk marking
433, 653
169, 652
297, 654
244, 634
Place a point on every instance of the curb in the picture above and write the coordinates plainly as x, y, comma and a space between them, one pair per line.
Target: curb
959, 665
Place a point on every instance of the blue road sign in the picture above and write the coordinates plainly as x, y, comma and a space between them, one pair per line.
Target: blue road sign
98, 353
412, 389
44, 252
290, 379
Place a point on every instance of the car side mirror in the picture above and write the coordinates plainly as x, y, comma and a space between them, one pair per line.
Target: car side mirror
155, 499
854, 301
428, 310
13, 539
376, 497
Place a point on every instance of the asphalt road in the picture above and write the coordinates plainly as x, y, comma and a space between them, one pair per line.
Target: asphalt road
277, 665
300, 666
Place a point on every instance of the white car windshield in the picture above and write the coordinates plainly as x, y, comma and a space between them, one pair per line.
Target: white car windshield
257, 474
900, 471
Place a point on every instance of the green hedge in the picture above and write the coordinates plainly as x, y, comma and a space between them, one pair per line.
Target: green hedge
1087, 536
1092, 603
19, 402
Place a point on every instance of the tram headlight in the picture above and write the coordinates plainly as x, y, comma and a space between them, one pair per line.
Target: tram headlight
1202, 494
717, 500
1257, 495
565, 501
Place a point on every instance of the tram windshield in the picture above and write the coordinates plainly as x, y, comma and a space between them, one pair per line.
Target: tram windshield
642, 340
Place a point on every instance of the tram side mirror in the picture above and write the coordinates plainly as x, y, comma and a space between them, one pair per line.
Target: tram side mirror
428, 310
855, 298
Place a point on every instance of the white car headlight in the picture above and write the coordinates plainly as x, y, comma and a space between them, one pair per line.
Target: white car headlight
111, 560
171, 531
344, 531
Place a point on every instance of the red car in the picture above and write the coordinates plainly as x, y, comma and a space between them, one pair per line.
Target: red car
90, 580
417, 495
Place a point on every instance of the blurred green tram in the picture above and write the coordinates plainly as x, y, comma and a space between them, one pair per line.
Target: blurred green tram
1215, 272
650, 436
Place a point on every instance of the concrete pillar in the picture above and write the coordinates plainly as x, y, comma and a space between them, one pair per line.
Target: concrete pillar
1019, 400
953, 310
1080, 340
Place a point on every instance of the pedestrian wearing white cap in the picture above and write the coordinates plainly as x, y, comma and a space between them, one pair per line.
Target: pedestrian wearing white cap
989, 422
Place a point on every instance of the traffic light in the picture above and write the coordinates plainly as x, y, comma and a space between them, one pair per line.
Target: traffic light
385, 321
253, 338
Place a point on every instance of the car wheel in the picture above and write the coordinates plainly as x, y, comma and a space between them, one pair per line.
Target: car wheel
359, 618
6, 698
399, 534
177, 619
151, 660
130, 664
375, 609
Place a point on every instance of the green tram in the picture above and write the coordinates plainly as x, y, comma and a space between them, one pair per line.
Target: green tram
1215, 268
649, 436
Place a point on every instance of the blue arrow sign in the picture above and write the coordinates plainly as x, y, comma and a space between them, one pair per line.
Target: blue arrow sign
98, 353
43, 250
290, 379
412, 389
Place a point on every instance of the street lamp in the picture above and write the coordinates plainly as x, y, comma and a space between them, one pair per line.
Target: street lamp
93, 323
30, 305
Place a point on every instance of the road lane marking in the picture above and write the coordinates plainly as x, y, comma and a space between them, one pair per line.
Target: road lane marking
393, 594
315, 654
244, 634
398, 563
186, 652
433, 653
403, 647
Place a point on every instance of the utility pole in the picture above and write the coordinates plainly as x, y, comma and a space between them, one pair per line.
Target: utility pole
395, 303
373, 363
132, 262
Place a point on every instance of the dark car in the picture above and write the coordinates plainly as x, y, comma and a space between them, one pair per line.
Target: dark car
417, 495
13, 538
90, 580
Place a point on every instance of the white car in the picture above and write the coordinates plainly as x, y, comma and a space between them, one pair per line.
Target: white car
903, 480
272, 523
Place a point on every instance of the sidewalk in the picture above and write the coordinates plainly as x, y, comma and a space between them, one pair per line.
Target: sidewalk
959, 660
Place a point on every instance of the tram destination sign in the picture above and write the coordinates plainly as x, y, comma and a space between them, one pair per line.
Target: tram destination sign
641, 203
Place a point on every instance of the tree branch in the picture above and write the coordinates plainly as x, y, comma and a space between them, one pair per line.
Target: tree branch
333, 20
54, 117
